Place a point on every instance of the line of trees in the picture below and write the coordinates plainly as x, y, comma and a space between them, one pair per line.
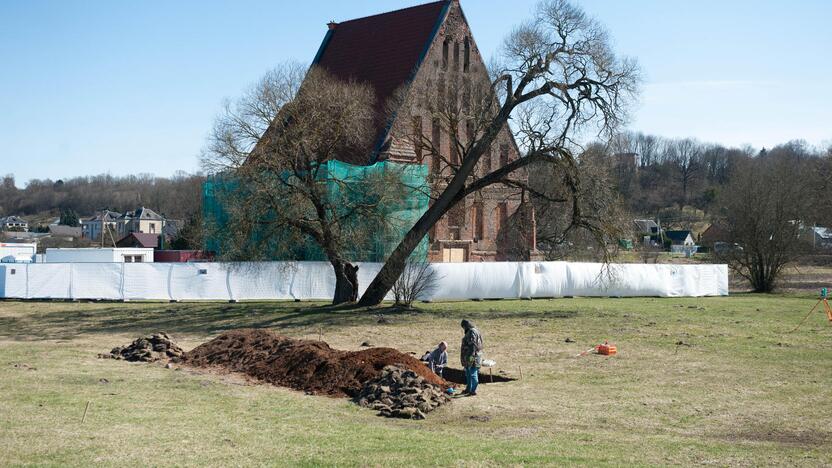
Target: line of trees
177, 197
763, 202
652, 173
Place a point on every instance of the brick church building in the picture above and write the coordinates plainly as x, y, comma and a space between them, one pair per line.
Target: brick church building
431, 47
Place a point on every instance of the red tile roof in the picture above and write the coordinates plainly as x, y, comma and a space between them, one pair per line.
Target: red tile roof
139, 239
383, 50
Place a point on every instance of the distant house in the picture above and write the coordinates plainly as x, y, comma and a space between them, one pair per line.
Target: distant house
822, 237
171, 228
14, 224
684, 238
139, 240
181, 256
681, 242
647, 231
93, 228
715, 233
143, 220
646, 227
59, 230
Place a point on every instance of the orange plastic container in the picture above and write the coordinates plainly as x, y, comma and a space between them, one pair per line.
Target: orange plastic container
607, 349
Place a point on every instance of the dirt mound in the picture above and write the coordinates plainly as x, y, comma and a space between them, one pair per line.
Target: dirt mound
148, 349
306, 365
400, 393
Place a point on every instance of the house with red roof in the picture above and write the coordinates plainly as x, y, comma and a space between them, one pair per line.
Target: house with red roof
144, 240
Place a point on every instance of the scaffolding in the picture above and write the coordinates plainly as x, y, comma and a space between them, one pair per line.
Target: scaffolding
344, 186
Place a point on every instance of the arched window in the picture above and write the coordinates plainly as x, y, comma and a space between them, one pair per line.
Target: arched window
445, 45
466, 64
478, 221
436, 142
418, 144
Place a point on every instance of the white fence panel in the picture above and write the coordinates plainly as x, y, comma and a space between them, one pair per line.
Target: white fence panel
476, 280
316, 281
313, 280
261, 280
696, 280
585, 279
49, 281
149, 281
633, 280
96, 281
199, 281
544, 279
13, 281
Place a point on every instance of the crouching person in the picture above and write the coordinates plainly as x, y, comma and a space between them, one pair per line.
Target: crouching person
471, 357
437, 359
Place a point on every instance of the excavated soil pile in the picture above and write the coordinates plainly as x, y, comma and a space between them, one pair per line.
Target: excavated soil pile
306, 365
400, 393
149, 349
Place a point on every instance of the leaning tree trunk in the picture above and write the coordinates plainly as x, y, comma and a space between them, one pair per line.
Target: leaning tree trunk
395, 264
346, 282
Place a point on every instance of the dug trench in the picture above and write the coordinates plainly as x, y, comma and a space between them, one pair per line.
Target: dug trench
486, 376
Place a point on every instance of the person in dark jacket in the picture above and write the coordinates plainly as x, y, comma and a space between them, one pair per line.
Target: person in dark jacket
471, 357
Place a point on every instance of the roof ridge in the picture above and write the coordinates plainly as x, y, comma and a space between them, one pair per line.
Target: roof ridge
393, 11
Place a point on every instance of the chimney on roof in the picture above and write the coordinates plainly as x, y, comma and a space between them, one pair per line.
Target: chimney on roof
332, 25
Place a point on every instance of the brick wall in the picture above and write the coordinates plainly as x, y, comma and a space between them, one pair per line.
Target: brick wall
477, 229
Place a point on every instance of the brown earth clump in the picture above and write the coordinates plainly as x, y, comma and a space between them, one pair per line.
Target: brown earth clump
307, 365
152, 348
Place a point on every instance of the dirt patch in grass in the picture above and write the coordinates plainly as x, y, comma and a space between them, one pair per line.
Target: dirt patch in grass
311, 366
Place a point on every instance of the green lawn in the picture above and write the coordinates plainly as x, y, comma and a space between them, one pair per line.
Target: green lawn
740, 390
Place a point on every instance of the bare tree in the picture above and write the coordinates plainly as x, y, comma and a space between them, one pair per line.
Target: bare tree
558, 236
762, 209
648, 148
558, 78
822, 187
176, 197
272, 148
685, 155
417, 282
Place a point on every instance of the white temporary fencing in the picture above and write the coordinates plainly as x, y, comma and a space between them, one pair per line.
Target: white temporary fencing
316, 281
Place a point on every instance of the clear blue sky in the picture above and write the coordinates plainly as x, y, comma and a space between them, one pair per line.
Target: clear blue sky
88, 87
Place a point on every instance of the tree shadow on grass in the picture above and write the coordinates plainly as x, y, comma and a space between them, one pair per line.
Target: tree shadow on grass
66, 320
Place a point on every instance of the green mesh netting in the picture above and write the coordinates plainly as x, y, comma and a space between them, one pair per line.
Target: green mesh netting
343, 181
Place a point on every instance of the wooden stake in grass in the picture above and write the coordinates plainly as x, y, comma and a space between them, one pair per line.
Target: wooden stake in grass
86, 408
320, 333
491, 373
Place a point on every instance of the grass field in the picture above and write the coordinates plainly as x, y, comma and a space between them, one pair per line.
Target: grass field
738, 390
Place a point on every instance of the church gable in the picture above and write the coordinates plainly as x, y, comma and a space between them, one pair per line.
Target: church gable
453, 61
383, 50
